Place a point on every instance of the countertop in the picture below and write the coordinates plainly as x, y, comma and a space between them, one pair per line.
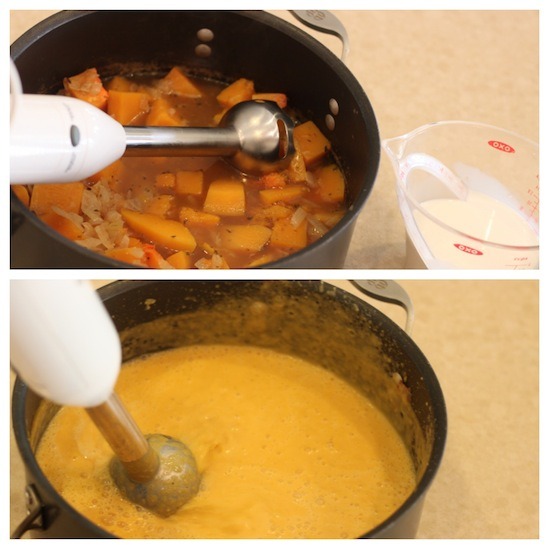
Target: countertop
418, 67
481, 337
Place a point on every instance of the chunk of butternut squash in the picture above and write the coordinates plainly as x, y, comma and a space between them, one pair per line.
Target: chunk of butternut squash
311, 142
67, 196
62, 225
163, 114
331, 184
177, 83
288, 237
245, 238
288, 194
164, 180
165, 232
266, 215
225, 197
240, 90
189, 182
279, 98
180, 260
195, 218
159, 205
127, 107
120, 83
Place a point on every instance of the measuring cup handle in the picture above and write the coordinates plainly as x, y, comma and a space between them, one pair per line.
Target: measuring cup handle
433, 166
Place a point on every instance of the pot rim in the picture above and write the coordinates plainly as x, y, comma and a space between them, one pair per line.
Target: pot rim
63, 17
430, 379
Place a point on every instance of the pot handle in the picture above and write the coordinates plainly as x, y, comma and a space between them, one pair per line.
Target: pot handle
391, 292
327, 22
35, 517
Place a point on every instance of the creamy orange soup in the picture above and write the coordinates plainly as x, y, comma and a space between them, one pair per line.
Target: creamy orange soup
285, 448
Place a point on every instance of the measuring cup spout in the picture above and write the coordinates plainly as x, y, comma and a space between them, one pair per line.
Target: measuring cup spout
394, 147
405, 162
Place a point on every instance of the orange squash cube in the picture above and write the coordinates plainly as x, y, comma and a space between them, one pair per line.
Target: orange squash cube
189, 182
127, 107
288, 237
180, 260
279, 98
225, 197
195, 218
119, 83
166, 232
331, 184
67, 196
287, 194
165, 180
62, 225
159, 205
179, 84
163, 114
310, 142
248, 238
240, 90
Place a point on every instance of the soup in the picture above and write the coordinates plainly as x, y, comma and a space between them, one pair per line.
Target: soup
191, 212
286, 449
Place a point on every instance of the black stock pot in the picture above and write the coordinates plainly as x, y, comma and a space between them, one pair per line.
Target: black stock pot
310, 319
253, 44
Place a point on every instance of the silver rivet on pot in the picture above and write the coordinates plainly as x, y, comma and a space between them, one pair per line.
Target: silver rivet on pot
330, 122
333, 105
203, 50
205, 35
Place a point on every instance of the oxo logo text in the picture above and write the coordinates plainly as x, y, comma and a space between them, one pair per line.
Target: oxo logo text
468, 249
500, 146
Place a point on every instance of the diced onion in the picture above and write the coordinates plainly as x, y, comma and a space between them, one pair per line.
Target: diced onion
310, 180
91, 207
316, 228
298, 217
103, 235
75, 218
217, 261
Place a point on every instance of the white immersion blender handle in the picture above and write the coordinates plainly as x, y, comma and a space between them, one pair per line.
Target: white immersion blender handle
58, 139
64, 344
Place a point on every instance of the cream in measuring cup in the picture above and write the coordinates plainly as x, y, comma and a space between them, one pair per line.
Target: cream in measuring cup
469, 199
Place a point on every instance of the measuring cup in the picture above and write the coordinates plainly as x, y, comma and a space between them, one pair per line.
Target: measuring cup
469, 196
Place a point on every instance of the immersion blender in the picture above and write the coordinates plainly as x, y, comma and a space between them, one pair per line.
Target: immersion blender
65, 347
59, 139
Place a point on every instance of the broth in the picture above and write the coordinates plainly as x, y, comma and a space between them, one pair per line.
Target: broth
286, 448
